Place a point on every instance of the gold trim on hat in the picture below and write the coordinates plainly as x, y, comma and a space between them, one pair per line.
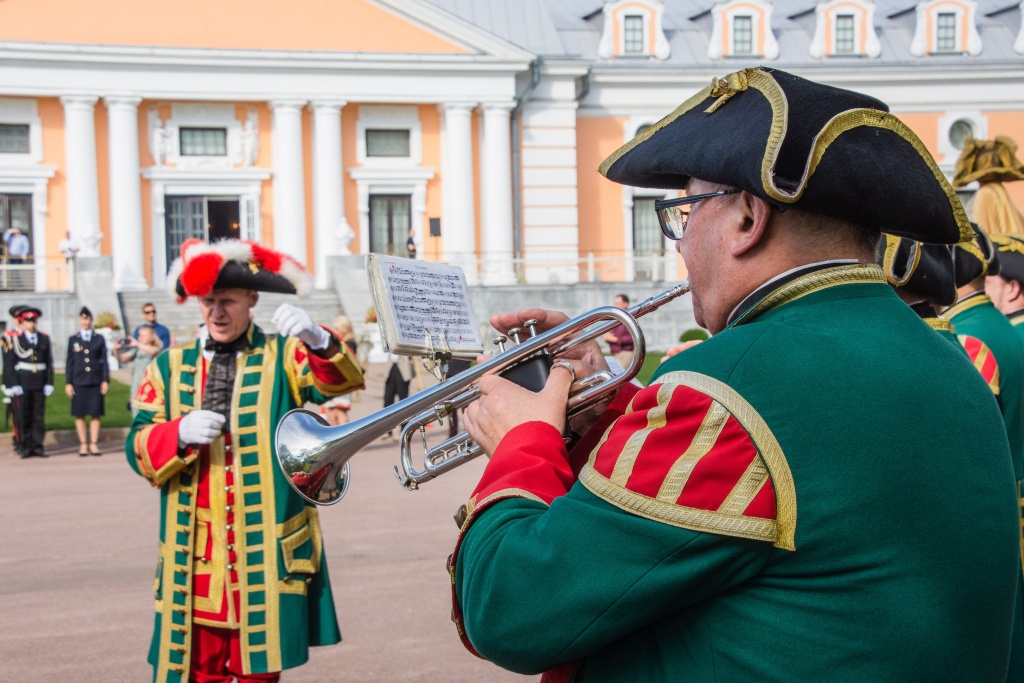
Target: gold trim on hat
892, 245
763, 82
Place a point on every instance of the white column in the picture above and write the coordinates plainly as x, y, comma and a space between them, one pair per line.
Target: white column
125, 193
496, 233
80, 155
289, 184
331, 231
458, 228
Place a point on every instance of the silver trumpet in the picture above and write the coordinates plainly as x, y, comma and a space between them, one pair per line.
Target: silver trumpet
314, 455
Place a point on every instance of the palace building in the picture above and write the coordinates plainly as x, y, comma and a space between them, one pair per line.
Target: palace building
326, 128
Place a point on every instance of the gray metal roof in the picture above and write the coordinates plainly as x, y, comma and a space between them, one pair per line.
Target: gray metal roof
572, 29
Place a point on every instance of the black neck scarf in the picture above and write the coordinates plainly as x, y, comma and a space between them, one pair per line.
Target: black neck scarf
220, 378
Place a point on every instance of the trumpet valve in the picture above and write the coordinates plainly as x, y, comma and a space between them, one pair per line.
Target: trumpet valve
531, 325
514, 333
500, 343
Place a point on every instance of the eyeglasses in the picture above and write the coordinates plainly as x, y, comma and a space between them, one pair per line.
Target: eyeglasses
151, 311
673, 213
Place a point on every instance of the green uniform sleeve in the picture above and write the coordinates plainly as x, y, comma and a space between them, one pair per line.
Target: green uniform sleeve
542, 585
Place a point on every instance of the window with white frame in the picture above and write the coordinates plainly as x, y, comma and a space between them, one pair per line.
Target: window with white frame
204, 142
945, 32
648, 242
633, 35
387, 142
14, 138
743, 35
844, 34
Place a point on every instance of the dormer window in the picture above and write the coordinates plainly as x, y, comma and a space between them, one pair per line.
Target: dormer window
742, 28
742, 35
633, 28
845, 28
633, 34
845, 44
946, 27
945, 32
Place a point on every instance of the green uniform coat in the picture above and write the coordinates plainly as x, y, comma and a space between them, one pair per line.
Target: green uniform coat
285, 591
853, 516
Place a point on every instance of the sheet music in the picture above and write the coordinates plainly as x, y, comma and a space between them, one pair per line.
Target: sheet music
428, 296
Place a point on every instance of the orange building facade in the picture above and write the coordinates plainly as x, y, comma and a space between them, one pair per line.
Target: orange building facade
329, 129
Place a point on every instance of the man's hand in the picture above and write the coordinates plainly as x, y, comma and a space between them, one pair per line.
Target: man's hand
504, 406
16, 390
200, 427
679, 349
47, 390
69, 390
589, 355
292, 321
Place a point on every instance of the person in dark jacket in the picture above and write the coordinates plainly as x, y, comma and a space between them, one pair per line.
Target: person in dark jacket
28, 376
88, 377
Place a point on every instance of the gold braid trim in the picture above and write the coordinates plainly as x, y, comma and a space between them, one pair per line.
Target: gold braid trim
892, 245
963, 306
813, 282
781, 531
873, 118
938, 324
686, 106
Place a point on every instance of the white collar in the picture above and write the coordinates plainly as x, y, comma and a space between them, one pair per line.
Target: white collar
86, 335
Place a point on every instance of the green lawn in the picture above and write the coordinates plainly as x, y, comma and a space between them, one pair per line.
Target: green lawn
58, 407
651, 362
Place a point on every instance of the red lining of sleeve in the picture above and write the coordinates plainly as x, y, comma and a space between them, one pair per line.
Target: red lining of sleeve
162, 444
530, 458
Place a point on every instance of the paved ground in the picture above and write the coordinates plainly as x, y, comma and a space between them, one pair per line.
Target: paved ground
78, 551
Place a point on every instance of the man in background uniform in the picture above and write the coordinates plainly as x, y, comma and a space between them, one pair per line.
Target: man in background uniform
1007, 288
28, 376
975, 316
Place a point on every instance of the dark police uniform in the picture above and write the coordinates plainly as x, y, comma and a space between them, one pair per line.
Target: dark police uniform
86, 370
29, 364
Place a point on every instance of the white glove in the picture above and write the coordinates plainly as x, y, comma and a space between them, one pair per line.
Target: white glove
16, 391
47, 390
292, 321
199, 427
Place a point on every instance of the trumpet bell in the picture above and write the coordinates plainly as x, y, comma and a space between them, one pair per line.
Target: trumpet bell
302, 437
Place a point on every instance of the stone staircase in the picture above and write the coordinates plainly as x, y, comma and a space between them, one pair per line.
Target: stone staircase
183, 319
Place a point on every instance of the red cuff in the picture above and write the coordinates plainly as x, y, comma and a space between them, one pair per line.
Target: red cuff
161, 444
325, 370
530, 460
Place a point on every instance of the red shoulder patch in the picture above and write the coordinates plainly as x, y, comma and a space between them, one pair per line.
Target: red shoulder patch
678, 446
984, 360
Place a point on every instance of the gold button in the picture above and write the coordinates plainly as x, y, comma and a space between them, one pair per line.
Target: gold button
87, 352
88, 369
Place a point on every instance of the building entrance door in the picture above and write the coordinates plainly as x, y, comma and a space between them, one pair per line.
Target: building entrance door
205, 218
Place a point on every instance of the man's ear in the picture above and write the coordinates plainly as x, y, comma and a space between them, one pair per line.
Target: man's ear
1015, 289
755, 214
254, 298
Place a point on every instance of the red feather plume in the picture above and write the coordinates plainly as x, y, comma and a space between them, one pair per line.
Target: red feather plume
267, 258
201, 273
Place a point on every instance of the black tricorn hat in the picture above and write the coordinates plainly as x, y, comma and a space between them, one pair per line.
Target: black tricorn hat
1011, 256
794, 142
925, 270
973, 259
